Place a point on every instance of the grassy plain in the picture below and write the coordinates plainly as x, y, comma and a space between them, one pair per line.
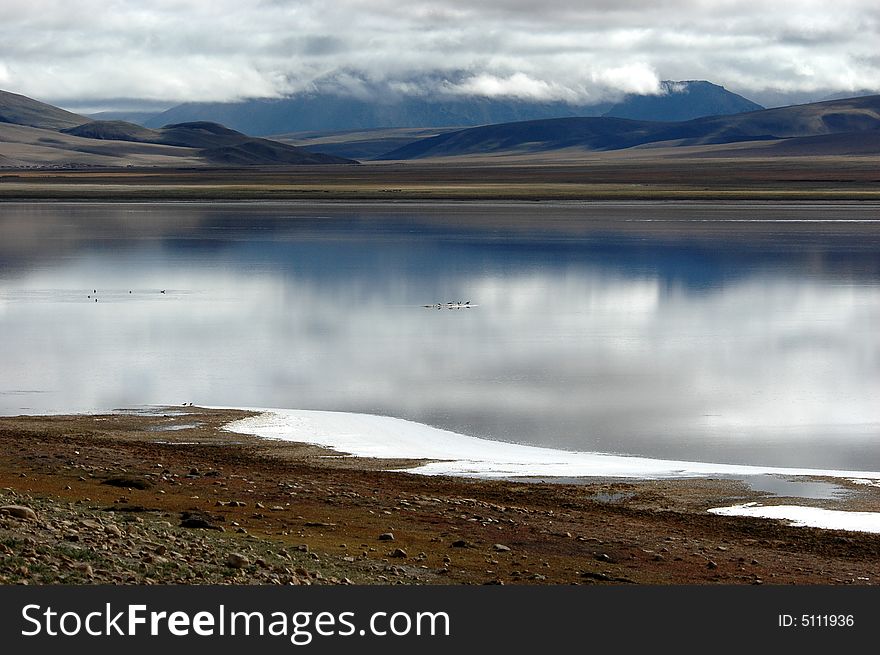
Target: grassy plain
600, 178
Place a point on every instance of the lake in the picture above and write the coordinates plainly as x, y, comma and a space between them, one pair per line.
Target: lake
727, 332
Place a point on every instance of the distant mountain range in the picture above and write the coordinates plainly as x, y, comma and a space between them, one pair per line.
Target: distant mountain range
329, 112
850, 126
33, 133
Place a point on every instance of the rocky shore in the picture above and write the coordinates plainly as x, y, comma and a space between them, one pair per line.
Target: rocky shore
168, 497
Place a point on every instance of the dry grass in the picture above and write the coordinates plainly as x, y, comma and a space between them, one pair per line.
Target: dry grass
645, 178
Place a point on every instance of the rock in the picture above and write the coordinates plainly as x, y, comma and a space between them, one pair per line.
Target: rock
711, 565
501, 548
461, 543
604, 557
397, 552
237, 561
19, 512
386, 536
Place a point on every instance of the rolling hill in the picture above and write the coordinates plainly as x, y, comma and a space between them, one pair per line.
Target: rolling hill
21, 110
837, 120
359, 144
33, 133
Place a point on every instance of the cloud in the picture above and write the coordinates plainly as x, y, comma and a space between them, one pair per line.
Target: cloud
568, 50
517, 85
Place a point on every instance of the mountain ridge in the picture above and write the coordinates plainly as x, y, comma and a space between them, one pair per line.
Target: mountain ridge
328, 112
33, 133
17, 109
682, 101
595, 134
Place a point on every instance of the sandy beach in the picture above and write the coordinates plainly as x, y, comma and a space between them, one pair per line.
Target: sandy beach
171, 496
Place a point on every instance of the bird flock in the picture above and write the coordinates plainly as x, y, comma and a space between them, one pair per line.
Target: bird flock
450, 305
95, 292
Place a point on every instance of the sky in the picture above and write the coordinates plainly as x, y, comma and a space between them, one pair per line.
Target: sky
103, 52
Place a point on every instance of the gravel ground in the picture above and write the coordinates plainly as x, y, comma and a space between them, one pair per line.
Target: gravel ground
131, 499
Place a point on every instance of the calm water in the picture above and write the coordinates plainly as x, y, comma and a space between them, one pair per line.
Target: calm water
742, 333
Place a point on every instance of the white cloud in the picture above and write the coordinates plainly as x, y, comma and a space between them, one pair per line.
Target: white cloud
634, 78
518, 85
563, 49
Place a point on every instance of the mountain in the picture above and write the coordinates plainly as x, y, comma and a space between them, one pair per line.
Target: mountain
215, 143
137, 117
33, 133
21, 110
113, 131
682, 101
326, 111
838, 117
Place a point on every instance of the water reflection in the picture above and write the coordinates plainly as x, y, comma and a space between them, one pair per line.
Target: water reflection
590, 334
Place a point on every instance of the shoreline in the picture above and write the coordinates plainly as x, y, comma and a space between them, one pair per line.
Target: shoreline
449, 453
144, 473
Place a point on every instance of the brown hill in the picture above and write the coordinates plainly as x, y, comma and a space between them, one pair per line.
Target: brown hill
33, 133
838, 120
21, 110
